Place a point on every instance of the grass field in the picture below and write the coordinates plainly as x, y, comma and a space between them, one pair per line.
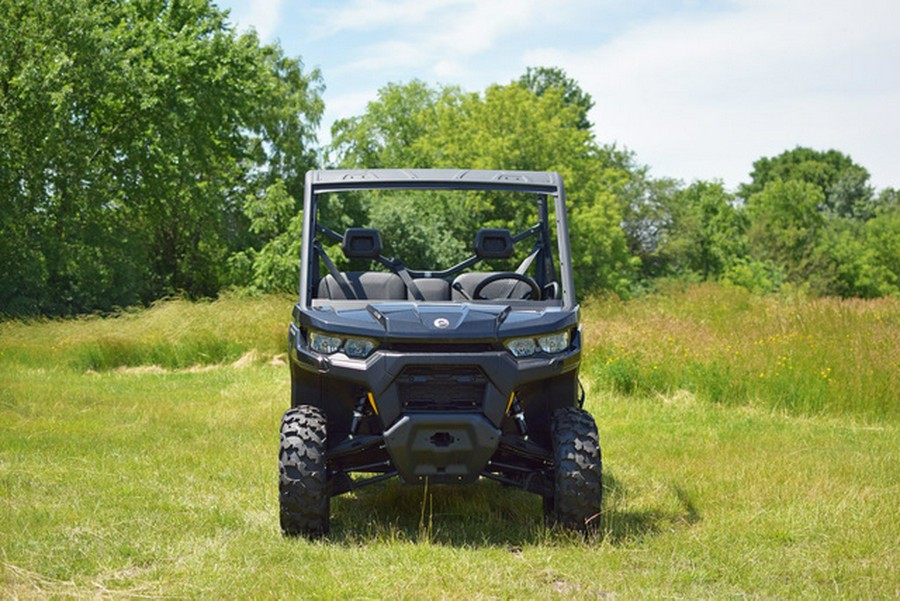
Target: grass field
138, 458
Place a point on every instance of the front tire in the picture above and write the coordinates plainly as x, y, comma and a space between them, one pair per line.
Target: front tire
577, 471
303, 477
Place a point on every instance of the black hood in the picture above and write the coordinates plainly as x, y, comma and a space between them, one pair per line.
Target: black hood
408, 320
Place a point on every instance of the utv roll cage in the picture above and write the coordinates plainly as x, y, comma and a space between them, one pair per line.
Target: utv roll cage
543, 184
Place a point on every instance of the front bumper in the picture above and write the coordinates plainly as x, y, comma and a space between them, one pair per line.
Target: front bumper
441, 414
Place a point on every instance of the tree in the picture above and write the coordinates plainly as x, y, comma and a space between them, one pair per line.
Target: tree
815, 216
540, 79
862, 259
132, 136
646, 205
512, 128
786, 227
506, 127
882, 237
384, 135
708, 233
844, 184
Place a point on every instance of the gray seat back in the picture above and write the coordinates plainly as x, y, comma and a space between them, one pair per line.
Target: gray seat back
367, 285
495, 290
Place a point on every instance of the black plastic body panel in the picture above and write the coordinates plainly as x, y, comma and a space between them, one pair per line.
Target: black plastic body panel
458, 399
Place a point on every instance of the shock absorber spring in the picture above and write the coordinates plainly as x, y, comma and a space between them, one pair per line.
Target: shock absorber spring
358, 415
519, 415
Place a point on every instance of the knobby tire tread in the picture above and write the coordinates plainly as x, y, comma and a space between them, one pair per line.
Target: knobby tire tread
578, 485
303, 482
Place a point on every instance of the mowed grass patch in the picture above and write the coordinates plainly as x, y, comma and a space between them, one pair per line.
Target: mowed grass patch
805, 357
164, 483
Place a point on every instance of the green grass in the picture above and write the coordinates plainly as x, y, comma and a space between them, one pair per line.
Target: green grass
170, 334
803, 357
162, 482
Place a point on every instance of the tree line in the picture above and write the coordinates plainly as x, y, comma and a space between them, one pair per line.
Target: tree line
149, 149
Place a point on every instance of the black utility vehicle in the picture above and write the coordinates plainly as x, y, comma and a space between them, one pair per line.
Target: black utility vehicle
444, 374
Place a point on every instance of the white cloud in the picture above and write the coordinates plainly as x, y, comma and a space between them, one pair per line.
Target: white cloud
353, 103
481, 27
704, 97
370, 15
261, 15
394, 54
343, 106
439, 37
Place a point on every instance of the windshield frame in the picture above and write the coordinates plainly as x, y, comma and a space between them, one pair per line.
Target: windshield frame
319, 182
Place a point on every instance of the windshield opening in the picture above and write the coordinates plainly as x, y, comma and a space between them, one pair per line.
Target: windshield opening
435, 245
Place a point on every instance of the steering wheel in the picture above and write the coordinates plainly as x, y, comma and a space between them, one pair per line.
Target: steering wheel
534, 292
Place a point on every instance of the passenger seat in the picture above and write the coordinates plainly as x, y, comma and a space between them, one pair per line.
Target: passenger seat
367, 285
363, 243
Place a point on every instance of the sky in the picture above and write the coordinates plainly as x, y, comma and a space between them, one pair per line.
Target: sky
697, 89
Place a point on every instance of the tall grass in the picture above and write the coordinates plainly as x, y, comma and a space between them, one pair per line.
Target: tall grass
831, 356
724, 345
170, 334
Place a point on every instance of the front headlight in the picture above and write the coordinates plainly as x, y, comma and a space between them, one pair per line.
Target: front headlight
357, 348
323, 343
521, 347
554, 343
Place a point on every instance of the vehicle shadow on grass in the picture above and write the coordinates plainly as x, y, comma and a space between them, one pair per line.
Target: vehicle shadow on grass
488, 514
624, 520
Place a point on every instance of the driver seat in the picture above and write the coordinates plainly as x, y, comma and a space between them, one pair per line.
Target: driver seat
499, 290
490, 244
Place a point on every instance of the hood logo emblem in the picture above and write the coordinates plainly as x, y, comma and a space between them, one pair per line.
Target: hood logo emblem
442, 322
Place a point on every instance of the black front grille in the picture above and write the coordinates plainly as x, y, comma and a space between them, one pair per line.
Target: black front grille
444, 389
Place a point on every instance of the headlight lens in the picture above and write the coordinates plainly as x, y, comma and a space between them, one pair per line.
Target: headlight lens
554, 343
323, 343
551, 344
521, 347
357, 348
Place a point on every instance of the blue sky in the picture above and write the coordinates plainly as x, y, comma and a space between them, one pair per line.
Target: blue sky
698, 89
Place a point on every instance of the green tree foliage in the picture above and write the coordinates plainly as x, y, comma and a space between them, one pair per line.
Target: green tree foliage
646, 206
695, 232
540, 79
423, 229
146, 149
506, 127
707, 235
815, 216
861, 259
384, 135
758, 276
882, 236
843, 183
786, 227
276, 220
132, 134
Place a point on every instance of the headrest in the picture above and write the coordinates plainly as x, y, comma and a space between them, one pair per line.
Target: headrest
493, 244
361, 243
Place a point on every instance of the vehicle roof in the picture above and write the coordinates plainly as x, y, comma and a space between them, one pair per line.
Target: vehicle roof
332, 180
